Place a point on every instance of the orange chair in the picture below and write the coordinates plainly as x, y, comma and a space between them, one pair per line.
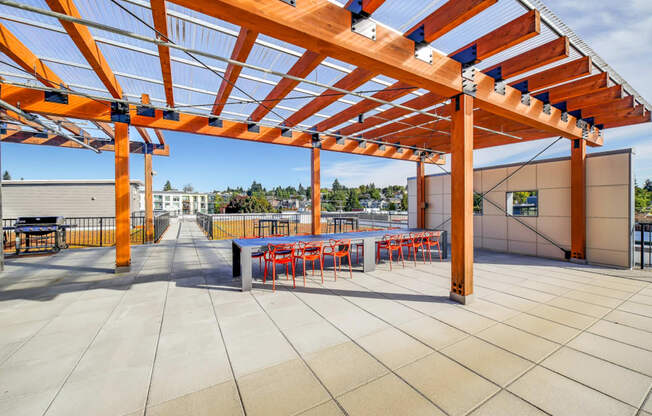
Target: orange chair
390, 243
339, 249
280, 254
431, 239
260, 255
413, 242
311, 251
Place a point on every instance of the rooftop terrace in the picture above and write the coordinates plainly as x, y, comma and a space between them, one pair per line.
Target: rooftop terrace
175, 336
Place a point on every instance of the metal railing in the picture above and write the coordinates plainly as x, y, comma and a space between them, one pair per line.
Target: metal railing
96, 231
228, 226
643, 244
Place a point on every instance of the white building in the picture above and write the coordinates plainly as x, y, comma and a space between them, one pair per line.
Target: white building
178, 202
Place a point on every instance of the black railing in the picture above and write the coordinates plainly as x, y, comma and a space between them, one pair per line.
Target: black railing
96, 231
228, 226
643, 244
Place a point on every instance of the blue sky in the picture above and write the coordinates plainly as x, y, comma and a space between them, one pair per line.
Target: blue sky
618, 31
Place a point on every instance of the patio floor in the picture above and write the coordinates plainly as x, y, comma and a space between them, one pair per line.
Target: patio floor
177, 337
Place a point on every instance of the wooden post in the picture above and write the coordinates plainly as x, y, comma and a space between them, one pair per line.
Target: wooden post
315, 175
149, 202
2, 251
421, 195
578, 200
462, 199
122, 197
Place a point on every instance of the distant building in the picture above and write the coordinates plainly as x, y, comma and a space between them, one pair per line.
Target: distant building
68, 198
178, 202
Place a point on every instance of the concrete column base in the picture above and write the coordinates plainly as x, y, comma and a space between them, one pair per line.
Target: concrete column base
122, 269
464, 300
579, 261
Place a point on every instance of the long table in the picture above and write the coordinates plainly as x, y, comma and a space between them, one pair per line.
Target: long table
243, 248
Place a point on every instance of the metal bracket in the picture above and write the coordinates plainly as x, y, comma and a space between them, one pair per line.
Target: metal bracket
499, 87
56, 97
170, 115
469, 86
253, 128
286, 132
292, 3
526, 99
3, 127
316, 141
423, 52
145, 111
341, 141
148, 148
399, 149
215, 122
361, 23
547, 108
382, 147
362, 144
468, 56
120, 112
564, 117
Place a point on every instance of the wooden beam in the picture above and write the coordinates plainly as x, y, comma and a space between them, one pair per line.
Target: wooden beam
534, 58
160, 137
159, 14
598, 97
301, 69
446, 18
86, 45
10, 115
324, 27
421, 196
55, 140
143, 133
578, 199
608, 107
425, 101
577, 88
122, 199
510, 34
32, 100
562, 73
621, 115
462, 199
315, 189
243, 45
149, 201
366, 6
144, 98
628, 121
106, 128
391, 93
349, 82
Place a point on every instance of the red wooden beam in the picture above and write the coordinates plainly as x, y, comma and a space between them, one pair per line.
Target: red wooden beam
534, 58
366, 6
159, 14
447, 17
243, 45
563, 73
600, 96
301, 69
607, 108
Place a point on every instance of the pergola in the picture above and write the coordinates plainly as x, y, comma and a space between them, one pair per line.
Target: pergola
394, 79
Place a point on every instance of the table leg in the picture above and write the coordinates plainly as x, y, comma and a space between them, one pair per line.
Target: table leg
444, 244
235, 250
369, 257
245, 268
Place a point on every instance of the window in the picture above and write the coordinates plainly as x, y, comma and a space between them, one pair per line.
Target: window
523, 203
175, 199
477, 204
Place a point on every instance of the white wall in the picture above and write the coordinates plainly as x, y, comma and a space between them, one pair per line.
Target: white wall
608, 201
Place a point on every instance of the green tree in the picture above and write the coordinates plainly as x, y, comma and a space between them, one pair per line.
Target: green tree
391, 206
6, 176
352, 202
642, 199
255, 189
248, 204
167, 186
337, 186
404, 202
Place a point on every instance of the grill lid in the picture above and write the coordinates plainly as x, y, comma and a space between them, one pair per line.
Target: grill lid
50, 220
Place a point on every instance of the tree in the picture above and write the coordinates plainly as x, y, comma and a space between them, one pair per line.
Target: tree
352, 202
167, 186
6, 176
642, 199
188, 188
337, 186
248, 204
255, 189
648, 185
404, 202
391, 207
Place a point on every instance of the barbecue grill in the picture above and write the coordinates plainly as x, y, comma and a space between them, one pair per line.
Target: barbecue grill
40, 234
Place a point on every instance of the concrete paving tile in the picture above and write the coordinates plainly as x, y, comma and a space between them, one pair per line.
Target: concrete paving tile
623, 333
34, 376
505, 403
327, 409
494, 363
638, 308
432, 376
463, 319
543, 328
96, 395
314, 337
559, 395
491, 310
562, 316
357, 324
220, 399
87, 321
613, 380
616, 352
432, 332
579, 307
179, 375
510, 301
593, 298
28, 404
60, 344
528, 346
284, 389
6, 350
630, 319
252, 353
20, 332
344, 367
393, 347
642, 298
293, 316
648, 405
389, 396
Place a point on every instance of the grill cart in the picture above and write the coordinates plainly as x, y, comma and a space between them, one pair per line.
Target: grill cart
40, 235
